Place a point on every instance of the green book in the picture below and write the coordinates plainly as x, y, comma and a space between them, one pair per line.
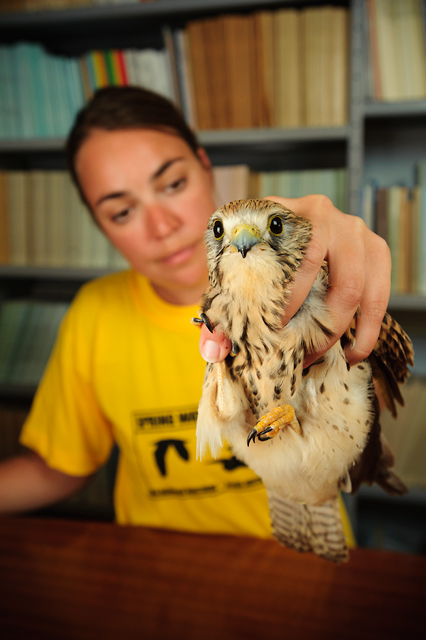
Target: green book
13, 318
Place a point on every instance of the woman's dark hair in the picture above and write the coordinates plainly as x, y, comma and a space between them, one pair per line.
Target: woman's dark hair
115, 108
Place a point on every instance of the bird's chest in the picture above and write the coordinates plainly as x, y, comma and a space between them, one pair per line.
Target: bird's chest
267, 375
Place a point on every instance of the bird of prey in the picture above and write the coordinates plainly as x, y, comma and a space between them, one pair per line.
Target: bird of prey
306, 432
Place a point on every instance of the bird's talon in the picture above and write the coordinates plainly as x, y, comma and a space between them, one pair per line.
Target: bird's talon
260, 436
207, 322
252, 436
273, 422
203, 319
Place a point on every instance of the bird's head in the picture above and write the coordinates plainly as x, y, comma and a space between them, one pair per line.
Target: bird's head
255, 232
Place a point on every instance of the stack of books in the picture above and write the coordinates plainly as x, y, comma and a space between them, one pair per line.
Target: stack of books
285, 68
44, 223
397, 52
41, 93
398, 214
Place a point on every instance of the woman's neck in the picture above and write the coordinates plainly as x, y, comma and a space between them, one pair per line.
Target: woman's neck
181, 297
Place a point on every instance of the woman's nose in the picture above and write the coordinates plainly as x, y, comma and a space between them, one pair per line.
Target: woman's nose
161, 221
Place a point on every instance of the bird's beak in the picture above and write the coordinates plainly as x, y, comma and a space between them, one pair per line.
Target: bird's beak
245, 237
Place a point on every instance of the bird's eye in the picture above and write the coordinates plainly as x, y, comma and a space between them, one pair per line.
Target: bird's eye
276, 226
218, 229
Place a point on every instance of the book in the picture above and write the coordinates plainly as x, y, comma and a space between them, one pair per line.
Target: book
57, 219
198, 56
337, 72
13, 314
231, 183
4, 220
422, 236
219, 94
186, 78
265, 85
36, 342
397, 46
36, 216
240, 71
287, 69
16, 202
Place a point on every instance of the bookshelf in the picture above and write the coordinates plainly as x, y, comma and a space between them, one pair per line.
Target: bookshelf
381, 141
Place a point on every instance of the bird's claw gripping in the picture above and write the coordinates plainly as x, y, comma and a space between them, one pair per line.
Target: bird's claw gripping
272, 423
203, 319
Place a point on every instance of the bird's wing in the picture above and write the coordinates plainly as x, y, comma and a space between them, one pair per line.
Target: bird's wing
389, 361
308, 528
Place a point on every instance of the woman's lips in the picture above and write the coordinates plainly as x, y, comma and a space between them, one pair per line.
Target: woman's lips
179, 257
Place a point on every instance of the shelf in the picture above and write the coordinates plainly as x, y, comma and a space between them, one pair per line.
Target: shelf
394, 109
162, 9
415, 495
217, 137
17, 391
268, 136
408, 302
53, 273
32, 145
112, 25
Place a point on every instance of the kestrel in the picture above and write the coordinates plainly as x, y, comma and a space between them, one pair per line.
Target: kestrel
306, 432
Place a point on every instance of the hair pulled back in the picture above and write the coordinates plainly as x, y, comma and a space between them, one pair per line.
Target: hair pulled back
116, 108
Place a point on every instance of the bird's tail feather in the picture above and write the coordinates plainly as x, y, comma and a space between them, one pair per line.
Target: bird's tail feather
309, 528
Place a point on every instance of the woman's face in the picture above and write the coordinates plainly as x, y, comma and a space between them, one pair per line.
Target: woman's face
152, 197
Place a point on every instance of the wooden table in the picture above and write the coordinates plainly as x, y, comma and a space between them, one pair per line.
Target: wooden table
85, 580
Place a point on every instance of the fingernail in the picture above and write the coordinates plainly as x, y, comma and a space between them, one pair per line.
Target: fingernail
210, 351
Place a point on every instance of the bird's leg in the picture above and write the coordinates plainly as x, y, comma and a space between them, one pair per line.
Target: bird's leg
272, 423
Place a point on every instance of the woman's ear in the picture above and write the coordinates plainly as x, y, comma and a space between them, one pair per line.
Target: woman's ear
205, 161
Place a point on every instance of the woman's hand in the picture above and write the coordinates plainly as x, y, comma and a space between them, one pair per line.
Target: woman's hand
359, 275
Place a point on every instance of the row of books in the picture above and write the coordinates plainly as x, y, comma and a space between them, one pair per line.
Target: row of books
43, 222
41, 93
235, 182
27, 333
397, 50
398, 214
283, 68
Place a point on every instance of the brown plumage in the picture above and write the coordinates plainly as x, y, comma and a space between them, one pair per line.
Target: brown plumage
326, 434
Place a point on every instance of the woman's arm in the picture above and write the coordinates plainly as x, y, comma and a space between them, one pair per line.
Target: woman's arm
359, 271
27, 482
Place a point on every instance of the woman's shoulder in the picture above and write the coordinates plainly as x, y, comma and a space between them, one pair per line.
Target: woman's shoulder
102, 296
106, 289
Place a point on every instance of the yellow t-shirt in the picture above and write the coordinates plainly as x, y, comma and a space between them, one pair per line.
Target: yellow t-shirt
126, 368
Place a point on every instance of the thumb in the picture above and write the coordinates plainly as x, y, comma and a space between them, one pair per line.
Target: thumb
214, 347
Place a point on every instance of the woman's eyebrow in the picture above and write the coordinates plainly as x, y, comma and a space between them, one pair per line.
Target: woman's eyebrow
157, 174
165, 166
111, 196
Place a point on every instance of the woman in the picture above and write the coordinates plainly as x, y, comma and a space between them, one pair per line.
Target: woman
126, 367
